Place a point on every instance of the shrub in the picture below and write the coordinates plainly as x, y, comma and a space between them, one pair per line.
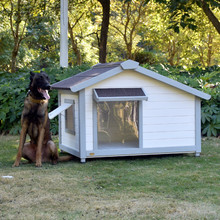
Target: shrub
145, 57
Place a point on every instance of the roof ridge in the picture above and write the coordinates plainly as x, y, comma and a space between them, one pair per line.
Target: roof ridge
105, 65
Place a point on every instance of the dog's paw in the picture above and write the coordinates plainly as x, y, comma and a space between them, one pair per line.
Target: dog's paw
16, 164
54, 162
38, 164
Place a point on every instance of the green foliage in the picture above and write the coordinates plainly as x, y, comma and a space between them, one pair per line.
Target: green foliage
146, 57
211, 120
13, 90
5, 50
181, 11
43, 40
206, 80
38, 34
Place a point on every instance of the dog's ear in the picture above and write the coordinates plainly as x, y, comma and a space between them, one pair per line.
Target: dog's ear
32, 74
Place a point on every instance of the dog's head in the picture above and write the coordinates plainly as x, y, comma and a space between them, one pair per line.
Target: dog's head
40, 85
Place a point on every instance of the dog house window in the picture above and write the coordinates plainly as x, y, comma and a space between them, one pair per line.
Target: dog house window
70, 117
69, 107
118, 117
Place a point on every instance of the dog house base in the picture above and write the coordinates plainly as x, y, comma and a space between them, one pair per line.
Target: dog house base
123, 152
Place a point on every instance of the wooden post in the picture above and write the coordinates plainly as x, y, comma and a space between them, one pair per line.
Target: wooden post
63, 33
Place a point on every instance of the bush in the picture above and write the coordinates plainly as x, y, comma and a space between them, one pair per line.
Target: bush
13, 90
145, 57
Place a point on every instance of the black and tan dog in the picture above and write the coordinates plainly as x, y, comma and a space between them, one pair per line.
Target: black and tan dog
36, 124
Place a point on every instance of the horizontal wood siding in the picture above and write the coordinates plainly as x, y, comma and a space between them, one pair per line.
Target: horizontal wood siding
67, 139
168, 115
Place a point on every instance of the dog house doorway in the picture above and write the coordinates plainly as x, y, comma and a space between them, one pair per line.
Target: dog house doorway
117, 117
118, 124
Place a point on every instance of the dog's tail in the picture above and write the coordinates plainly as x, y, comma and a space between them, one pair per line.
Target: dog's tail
65, 158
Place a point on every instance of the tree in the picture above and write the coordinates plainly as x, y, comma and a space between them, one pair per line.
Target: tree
206, 41
17, 28
104, 30
204, 5
181, 12
5, 44
79, 13
74, 43
190, 48
19, 13
42, 41
126, 18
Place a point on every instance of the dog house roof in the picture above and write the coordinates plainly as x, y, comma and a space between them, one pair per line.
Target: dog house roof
101, 72
85, 76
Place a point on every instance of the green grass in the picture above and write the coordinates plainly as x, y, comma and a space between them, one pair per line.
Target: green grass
151, 187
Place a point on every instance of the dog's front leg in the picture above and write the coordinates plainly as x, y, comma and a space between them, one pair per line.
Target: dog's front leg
21, 144
39, 146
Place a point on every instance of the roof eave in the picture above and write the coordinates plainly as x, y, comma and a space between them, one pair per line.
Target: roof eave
59, 88
173, 83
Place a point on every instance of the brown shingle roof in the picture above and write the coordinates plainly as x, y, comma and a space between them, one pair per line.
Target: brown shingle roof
84, 76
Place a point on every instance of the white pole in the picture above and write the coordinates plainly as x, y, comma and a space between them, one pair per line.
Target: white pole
63, 33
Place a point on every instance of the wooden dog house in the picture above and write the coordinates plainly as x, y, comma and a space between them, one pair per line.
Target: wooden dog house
123, 109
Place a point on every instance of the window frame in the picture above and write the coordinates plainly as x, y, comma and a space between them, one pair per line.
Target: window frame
124, 97
68, 130
96, 100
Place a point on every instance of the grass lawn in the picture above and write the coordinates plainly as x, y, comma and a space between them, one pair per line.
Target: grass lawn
151, 187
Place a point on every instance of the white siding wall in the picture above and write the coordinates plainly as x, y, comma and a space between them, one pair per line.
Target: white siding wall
168, 115
68, 139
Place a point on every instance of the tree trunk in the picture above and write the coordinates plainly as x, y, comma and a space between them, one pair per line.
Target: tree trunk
201, 56
75, 46
211, 16
171, 52
133, 26
14, 59
17, 33
209, 55
129, 50
104, 30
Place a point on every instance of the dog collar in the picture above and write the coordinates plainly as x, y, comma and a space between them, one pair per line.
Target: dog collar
38, 101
